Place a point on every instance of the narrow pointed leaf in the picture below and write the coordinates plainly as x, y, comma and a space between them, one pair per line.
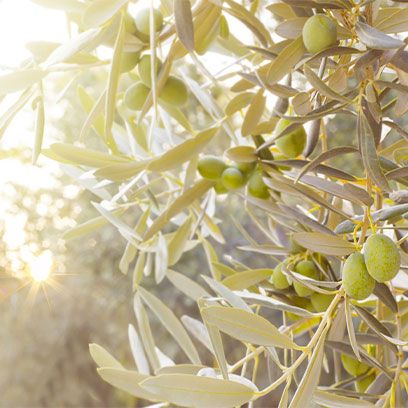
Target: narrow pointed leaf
184, 23
247, 327
200, 392
171, 323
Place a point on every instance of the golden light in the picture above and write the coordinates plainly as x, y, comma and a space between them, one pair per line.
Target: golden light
40, 267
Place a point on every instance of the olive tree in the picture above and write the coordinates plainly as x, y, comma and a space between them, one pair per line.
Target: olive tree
167, 138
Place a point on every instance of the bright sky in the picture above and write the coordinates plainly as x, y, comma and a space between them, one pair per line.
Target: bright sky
22, 21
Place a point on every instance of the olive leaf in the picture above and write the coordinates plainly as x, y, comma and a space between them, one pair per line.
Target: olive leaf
246, 326
324, 243
324, 89
186, 285
98, 12
20, 80
102, 357
200, 392
311, 376
369, 154
171, 323
376, 39
254, 113
184, 23
243, 280
285, 61
128, 381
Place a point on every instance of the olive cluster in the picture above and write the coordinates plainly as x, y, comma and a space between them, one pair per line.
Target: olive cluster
305, 297
233, 177
379, 262
174, 91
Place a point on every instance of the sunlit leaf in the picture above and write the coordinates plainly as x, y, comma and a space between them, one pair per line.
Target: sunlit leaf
127, 380
19, 80
100, 11
311, 376
200, 392
184, 23
285, 61
172, 324
324, 243
186, 285
247, 327
102, 357
376, 39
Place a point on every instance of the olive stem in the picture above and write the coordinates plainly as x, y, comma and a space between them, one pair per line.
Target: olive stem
323, 327
399, 336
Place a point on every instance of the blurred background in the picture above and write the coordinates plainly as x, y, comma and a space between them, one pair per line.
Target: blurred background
56, 297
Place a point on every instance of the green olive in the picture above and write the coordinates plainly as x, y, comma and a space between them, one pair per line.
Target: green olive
292, 144
308, 269
382, 257
362, 385
246, 168
128, 61
135, 96
211, 167
357, 282
220, 188
232, 178
353, 366
320, 301
257, 187
174, 92
142, 21
144, 69
280, 156
319, 33
301, 302
279, 279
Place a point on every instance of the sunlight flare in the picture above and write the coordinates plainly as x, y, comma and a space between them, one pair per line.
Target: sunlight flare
40, 267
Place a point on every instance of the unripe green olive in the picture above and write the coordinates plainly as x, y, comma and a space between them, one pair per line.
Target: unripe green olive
128, 61
319, 33
174, 92
257, 187
279, 279
353, 366
220, 188
362, 385
246, 168
280, 156
142, 21
301, 302
320, 301
357, 282
135, 96
292, 144
305, 268
232, 178
211, 167
382, 257
144, 69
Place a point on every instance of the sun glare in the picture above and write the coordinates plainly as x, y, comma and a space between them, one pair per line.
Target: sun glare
40, 267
